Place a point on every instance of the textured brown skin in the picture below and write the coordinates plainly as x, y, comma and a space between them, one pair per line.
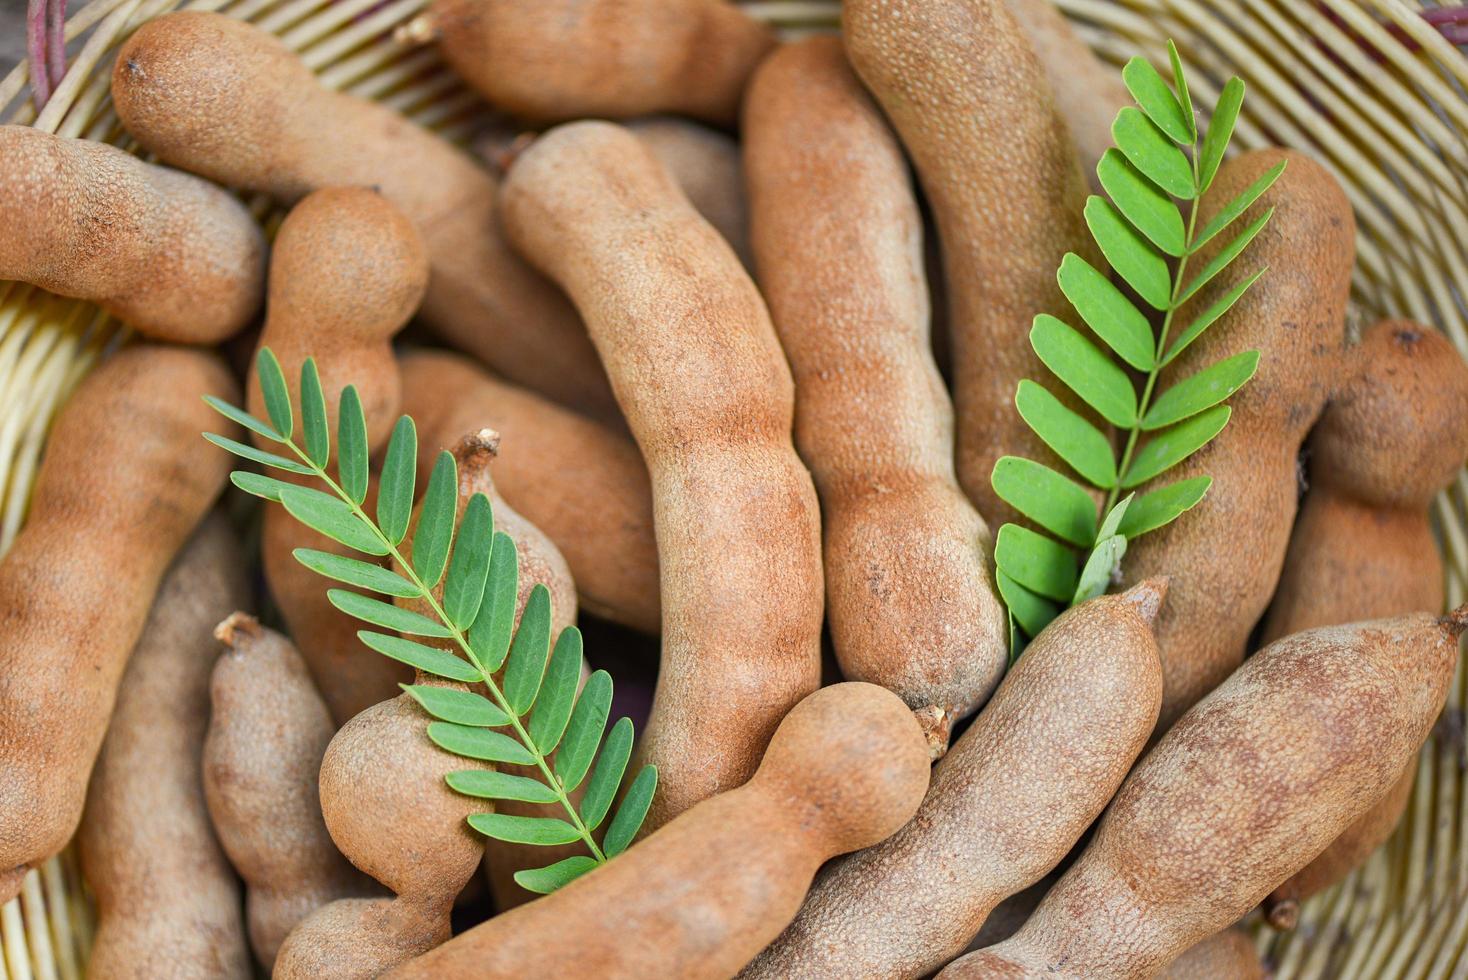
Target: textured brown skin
389, 810
706, 164
168, 902
1224, 556
170, 255
1245, 790
556, 60
1391, 439
1226, 955
110, 510
1007, 802
838, 246
1088, 91
227, 100
267, 735
580, 482
700, 376
701, 896
347, 272
963, 89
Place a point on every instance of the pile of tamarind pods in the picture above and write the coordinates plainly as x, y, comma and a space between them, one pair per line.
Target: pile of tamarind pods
681, 332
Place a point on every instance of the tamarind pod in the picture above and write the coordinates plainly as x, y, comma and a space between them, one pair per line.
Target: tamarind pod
706, 163
969, 99
346, 273
1249, 786
168, 902
1008, 801
700, 376
582, 484
123, 484
557, 60
388, 809
846, 767
268, 731
838, 244
1088, 92
1391, 438
170, 255
227, 100
1225, 556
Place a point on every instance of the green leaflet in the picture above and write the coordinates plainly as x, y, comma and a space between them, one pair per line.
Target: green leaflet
396, 482
543, 881
351, 445
273, 390
519, 717
1158, 169
313, 415
352, 571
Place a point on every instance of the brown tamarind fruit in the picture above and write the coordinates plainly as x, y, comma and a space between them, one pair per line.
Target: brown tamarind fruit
965, 92
699, 374
168, 254
267, 735
1247, 788
838, 247
225, 99
584, 485
1006, 804
698, 898
111, 508
347, 272
168, 902
1392, 438
556, 60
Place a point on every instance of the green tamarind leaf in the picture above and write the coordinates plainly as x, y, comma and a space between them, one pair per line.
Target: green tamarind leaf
1038, 563
1085, 369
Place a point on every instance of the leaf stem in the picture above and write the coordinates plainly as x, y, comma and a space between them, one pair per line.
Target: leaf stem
426, 593
1172, 307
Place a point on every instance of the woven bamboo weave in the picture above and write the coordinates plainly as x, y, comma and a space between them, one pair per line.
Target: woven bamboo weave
1369, 87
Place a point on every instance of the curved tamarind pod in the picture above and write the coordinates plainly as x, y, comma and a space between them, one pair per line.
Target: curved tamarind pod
969, 99
267, 733
838, 242
578, 481
1248, 787
1389, 441
107, 517
170, 255
228, 100
1007, 802
556, 60
699, 897
168, 902
699, 373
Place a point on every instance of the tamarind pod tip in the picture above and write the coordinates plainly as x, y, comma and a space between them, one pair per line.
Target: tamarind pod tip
1147, 597
1456, 621
937, 726
237, 624
484, 441
1283, 914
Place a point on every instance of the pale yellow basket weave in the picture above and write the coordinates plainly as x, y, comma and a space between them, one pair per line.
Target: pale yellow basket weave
1367, 86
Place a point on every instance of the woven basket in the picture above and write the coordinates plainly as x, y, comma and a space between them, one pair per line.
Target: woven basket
1366, 86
